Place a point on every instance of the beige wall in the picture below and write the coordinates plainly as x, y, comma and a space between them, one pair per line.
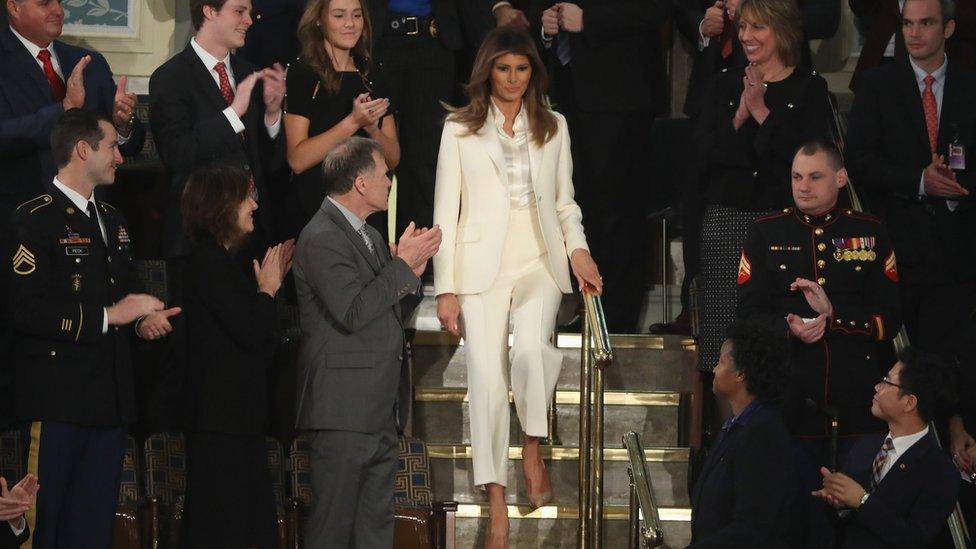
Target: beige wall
163, 30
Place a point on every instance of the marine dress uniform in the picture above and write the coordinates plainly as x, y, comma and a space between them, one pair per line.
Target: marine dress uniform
849, 254
73, 371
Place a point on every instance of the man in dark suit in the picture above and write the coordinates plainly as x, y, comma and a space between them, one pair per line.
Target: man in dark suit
40, 78
73, 293
747, 484
912, 125
417, 42
897, 490
351, 362
880, 24
209, 105
607, 79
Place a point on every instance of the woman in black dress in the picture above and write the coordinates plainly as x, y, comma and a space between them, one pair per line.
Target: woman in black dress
232, 330
332, 94
754, 119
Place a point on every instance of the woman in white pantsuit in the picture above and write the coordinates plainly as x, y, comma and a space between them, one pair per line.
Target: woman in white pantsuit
504, 200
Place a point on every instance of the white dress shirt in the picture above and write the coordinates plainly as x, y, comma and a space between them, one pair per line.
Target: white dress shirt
902, 444
518, 173
82, 204
210, 62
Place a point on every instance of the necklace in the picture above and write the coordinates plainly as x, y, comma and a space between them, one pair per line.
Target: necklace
777, 75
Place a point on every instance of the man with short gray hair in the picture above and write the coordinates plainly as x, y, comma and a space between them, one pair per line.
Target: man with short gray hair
351, 371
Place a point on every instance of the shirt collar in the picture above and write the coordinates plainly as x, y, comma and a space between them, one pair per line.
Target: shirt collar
498, 117
209, 61
353, 219
938, 74
903, 443
80, 201
33, 48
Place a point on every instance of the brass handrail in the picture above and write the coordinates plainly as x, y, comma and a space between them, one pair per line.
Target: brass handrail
595, 350
641, 498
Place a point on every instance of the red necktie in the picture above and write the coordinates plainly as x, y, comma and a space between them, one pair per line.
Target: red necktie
228, 93
931, 113
727, 33
58, 88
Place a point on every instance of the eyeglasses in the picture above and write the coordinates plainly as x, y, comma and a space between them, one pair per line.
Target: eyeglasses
886, 381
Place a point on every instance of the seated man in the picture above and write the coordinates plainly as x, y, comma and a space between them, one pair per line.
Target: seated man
898, 489
747, 484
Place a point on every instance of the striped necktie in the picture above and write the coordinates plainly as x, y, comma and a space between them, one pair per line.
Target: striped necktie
880, 461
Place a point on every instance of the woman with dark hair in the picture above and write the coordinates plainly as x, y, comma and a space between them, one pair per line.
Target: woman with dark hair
504, 200
746, 488
231, 325
753, 121
332, 93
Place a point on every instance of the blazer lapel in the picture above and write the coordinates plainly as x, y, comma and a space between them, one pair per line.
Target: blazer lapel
905, 463
205, 82
536, 156
947, 118
26, 64
351, 234
493, 146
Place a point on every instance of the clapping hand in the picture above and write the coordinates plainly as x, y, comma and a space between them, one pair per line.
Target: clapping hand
940, 180
586, 272
507, 15
123, 107
242, 96
416, 246
815, 295
15, 502
839, 490
273, 268
157, 325
550, 21
807, 332
713, 24
754, 93
74, 95
570, 17
273, 92
367, 112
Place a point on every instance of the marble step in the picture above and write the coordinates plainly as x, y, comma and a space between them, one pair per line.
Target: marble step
552, 527
452, 474
441, 416
641, 363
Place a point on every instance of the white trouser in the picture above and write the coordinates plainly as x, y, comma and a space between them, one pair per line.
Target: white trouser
525, 288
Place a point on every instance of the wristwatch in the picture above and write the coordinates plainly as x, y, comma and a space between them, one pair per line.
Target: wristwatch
863, 499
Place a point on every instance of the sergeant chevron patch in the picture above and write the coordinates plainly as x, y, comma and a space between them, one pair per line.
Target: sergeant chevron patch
745, 269
24, 262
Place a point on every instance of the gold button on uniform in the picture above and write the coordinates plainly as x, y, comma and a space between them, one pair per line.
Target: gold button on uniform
782, 267
857, 268
54, 353
109, 259
821, 263
818, 231
111, 281
821, 281
821, 247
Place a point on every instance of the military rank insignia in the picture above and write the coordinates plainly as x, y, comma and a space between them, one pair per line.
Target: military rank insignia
891, 267
745, 269
76, 283
24, 262
854, 249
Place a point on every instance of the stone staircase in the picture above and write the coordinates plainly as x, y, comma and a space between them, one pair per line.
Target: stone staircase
649, 389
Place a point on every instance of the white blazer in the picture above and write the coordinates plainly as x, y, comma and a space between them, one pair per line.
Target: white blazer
471, 205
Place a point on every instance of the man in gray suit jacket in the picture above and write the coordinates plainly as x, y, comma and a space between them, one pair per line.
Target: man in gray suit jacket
350, 363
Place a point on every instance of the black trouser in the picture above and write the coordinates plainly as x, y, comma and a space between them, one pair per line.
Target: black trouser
610, 153
420, 73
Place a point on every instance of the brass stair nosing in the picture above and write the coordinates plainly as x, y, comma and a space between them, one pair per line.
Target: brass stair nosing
569, 341
610, 398
610, 512
562, 453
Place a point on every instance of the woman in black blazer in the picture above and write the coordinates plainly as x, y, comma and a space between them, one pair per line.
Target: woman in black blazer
753, 121
232, 331
745, 492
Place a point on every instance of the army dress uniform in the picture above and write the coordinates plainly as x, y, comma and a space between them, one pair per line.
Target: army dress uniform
849, 254
74, 381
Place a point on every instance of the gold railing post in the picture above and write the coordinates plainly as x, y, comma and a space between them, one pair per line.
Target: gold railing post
553, 419
596, 492
584, 438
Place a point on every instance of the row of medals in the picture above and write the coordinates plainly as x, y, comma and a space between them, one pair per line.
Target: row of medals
855, 255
